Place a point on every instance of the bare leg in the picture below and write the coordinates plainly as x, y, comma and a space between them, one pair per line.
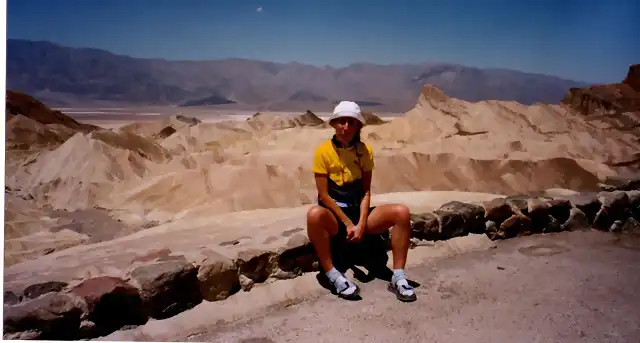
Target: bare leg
380, 220
397, 216
321, 226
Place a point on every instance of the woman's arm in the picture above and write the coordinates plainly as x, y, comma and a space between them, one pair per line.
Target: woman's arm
366, 163
366, 200
322, 184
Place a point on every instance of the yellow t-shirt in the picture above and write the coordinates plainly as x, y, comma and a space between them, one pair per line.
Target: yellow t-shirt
344, 167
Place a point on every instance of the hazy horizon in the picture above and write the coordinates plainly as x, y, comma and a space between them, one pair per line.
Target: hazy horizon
559, 38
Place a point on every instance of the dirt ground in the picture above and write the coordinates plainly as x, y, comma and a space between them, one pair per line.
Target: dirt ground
569, 287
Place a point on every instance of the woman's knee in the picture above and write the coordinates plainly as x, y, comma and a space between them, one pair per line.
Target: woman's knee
320, 218
401, 213
315, 214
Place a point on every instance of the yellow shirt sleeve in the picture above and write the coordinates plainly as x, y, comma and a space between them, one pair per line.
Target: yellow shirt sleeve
319, 162
367, 159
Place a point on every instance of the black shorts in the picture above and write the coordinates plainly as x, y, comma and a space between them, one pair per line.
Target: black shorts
371, 252
352, 213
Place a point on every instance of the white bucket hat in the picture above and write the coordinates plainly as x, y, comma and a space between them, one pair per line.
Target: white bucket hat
348, 109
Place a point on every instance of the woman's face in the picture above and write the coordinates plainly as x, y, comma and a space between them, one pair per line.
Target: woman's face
345, 128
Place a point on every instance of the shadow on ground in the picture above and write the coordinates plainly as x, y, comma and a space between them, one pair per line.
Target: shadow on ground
370, 253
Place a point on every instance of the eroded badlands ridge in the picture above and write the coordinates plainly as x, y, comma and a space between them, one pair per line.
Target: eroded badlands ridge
156, 217
155, 172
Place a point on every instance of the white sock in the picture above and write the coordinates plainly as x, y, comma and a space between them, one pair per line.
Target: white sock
340, 282
399, 280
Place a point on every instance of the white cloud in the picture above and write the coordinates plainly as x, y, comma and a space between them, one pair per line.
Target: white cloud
259, 9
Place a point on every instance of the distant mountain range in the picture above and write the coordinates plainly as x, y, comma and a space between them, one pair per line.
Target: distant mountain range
65, 76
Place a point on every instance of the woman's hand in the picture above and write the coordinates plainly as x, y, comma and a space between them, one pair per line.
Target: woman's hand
355, 232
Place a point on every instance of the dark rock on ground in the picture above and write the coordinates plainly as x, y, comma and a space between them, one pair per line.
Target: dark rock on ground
11, 298
497, 210
616, 202
452, 224
111, 304
53, 316
34, 291
538, 212
456, 219
634, 203
167, 287
588, 203
453, 219
257, 265
492, 230
519, 204
218, 277
577, 220
615, 206
425, 226
298, 256
622, 183
514, 226
245, 283
630, 225
542, 220
560, 209
473, 216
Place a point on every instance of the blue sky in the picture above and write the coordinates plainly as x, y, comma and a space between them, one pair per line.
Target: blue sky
587, 40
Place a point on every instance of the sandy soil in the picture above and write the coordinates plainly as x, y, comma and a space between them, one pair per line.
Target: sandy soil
148, 170
566, 287
478, 295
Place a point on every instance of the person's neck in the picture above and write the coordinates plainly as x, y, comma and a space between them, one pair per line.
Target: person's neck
342, 143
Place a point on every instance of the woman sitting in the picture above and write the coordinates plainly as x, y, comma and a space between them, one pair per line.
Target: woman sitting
343, 167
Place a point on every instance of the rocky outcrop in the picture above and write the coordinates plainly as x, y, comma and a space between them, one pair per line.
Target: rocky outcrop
109, 303
308, 119
30, 125
162, 283
159, 285
621, 183
190, 121
53, 316
633, 77
273, 121
18, 103
372, 119
164, 133
615, 99
23, 133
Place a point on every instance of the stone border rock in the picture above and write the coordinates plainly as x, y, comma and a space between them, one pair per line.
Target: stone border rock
172, 284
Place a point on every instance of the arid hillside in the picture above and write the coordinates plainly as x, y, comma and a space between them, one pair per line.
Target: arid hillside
68, 183
609, 99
